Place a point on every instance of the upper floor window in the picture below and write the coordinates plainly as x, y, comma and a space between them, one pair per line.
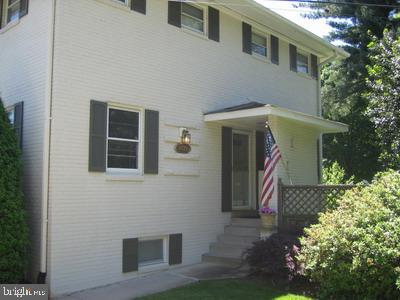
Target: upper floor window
12, 10
192, 17
302, 62
259, 44
123, 139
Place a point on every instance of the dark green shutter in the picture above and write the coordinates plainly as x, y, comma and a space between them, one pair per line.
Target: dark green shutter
139, 6
151, 137
260, 145
213, 24
1, 13
18, 121
274, 50
175, 249
226, 171
97, 136
23, 8
246, 39
130, 255
314, 66
174, 13
293, 57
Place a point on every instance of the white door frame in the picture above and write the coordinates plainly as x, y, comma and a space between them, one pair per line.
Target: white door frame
250, 191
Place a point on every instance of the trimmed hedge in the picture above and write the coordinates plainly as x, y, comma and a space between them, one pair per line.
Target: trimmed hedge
354, 250
13, 228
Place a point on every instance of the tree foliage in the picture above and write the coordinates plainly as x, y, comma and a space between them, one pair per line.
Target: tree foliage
344, 84
353, 252
384, 95
13, 228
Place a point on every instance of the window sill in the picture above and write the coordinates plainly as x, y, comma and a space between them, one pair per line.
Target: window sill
261, 58
115, 4
124, 177
200, 35
9, 26
304, 75
153, 267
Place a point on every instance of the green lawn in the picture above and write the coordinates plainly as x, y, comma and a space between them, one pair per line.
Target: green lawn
231, 289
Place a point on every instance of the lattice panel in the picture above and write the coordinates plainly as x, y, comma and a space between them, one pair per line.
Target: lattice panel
300, 204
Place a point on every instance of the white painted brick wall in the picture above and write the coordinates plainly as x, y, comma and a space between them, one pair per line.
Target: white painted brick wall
23, 77
111, 54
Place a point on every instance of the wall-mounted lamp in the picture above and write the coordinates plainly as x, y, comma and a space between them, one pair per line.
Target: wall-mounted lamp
184, 145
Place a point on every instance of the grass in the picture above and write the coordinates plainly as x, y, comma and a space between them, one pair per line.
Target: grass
230, 289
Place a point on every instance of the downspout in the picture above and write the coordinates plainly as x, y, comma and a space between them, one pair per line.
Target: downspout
319, 109
46, 153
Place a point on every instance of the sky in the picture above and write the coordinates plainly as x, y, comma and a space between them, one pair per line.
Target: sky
286, 9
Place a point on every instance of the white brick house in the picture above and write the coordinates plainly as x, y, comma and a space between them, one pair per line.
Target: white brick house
107, 86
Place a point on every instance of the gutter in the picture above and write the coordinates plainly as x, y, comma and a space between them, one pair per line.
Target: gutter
46, 154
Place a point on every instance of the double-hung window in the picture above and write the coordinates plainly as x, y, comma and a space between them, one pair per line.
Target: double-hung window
258, 44
12, 10
302, 62
192, 17
123, 139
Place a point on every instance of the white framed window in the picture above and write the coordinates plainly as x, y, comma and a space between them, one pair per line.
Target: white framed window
193, 17
11, 115
125, 2
123, 139
259, 44
13, 10
302, 62
152, 251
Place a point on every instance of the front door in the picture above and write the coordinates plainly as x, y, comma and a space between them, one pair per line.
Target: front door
240, 170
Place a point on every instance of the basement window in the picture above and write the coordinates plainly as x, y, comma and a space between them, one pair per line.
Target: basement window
152, 251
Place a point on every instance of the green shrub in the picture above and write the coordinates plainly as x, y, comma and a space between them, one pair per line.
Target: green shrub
354, 250
275, 256
335, 174
13, 228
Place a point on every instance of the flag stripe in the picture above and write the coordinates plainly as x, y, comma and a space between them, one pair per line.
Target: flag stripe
272, 156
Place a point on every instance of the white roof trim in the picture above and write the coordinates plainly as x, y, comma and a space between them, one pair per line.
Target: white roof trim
325, 126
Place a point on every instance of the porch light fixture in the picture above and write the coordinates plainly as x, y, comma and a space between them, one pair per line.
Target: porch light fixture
184, 145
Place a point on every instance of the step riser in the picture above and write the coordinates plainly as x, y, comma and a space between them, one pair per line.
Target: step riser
242, 231
226, 250
246, 222
236, 240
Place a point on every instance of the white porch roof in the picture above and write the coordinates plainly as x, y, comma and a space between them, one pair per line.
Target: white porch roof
257, 113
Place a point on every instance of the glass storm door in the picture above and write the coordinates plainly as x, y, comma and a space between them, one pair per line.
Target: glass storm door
240, 171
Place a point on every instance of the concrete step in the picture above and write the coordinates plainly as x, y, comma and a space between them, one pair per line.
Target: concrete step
237, 240
229, 261
242, 231
248, 222
224, 250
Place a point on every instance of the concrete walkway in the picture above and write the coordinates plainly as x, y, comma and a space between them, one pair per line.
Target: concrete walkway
158, 282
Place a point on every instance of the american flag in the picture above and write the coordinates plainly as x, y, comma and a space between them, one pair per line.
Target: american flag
272, 156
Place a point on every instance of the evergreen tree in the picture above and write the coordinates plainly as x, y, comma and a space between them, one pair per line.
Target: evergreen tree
344, 84
13, 228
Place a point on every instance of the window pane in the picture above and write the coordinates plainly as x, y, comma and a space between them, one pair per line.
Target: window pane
122, 154
302, 63
13, 13
10, 116
10, 2
192, 11
259, 49
192, 23
151, 251
123, 124
258, 39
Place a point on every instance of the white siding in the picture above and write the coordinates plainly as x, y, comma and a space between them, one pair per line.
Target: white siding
23, 77
111, 54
